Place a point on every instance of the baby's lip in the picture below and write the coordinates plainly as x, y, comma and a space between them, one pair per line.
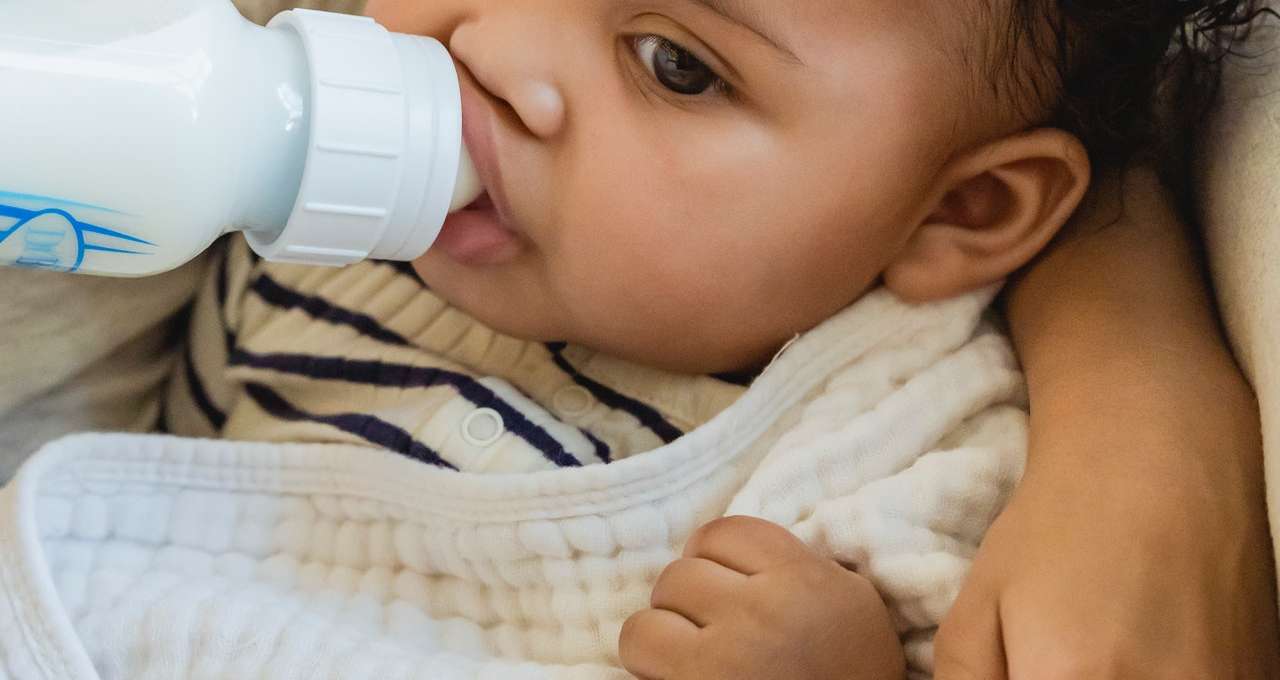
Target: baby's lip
477, 134
483, 202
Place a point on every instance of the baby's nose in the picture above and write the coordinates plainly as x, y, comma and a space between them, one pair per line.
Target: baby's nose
541, 107
505, 68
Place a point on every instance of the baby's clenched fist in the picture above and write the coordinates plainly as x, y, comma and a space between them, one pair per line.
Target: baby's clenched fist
749, 601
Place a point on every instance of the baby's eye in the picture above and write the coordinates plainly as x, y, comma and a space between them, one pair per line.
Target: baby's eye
675, 67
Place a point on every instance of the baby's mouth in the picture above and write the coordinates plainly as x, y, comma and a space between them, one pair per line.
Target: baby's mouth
485, 232
478, 235
482, 202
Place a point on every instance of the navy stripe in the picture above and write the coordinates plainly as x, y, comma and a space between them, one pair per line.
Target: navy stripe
224, 293
373, 430
602, 449
739, 378
405, 268
289, 299
178, 328
195, 386
647, 415
162, 418
383, 374
279, 296
222, 286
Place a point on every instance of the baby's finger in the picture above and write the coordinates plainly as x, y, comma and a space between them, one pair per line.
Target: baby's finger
697, 589
745, 544
970, 642
654, 641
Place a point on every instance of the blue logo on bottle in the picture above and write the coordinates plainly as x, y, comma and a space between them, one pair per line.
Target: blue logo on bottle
48, 236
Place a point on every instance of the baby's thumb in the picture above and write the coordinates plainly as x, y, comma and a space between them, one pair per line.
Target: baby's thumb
970, 644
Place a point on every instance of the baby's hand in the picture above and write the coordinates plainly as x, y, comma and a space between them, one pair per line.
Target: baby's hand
749, 601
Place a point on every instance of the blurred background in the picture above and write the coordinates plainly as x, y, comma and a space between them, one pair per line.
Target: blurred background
262, 10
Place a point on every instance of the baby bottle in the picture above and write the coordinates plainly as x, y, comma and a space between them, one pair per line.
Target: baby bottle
133, 133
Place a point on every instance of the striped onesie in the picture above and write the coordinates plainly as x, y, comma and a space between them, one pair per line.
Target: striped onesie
367, 355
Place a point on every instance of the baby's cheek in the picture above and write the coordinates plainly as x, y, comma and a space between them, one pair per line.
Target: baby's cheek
402, 16
381, 10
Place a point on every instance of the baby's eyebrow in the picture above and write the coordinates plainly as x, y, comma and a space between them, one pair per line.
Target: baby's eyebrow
747, 14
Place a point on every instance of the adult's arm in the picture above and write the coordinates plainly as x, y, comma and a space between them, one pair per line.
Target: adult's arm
1137, 545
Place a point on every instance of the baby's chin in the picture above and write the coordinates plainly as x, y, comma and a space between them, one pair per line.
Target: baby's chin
483, 295
699, 361
489, 295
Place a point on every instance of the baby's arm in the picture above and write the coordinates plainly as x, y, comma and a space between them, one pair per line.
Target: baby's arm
749, 601
1137, 545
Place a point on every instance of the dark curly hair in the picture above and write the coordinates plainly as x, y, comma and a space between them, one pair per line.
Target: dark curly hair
1097, 65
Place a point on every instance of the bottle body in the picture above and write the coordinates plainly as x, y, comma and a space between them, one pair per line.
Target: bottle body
134, 133
128, 153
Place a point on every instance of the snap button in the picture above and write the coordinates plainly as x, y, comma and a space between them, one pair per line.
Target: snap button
573, 400
482, 427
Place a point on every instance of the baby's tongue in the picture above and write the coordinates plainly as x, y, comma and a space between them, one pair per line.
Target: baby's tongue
475, 236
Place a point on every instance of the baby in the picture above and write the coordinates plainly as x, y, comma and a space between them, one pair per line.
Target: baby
677, 190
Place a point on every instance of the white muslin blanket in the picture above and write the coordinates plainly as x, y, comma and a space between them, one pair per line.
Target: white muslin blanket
888, 438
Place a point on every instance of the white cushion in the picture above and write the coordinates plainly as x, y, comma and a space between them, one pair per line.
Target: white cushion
1239, 195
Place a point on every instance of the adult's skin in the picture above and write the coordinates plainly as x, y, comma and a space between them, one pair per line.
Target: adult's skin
1137, 545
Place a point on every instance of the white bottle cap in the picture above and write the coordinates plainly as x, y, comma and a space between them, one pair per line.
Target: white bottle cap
385, 154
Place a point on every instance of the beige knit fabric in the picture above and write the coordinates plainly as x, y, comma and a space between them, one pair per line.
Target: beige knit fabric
82, 353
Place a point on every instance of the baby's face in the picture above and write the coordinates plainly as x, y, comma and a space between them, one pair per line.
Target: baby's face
688, 183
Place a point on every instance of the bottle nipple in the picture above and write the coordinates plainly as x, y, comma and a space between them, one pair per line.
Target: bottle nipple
468, 187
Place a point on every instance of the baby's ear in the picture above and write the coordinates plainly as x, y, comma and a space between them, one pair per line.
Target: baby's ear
999, 205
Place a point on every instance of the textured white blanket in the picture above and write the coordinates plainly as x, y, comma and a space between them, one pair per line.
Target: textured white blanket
888, 438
